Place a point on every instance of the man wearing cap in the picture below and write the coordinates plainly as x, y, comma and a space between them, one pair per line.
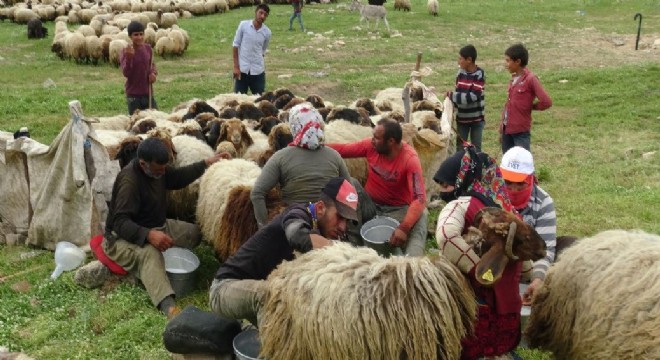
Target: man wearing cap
534, 205
394, 187
239, 285
136, 61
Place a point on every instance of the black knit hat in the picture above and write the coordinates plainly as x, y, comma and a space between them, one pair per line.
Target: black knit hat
449, 169
134, 26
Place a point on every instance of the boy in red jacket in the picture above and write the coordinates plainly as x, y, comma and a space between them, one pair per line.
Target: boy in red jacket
524, 88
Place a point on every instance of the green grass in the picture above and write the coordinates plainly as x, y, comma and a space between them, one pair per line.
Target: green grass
588, 147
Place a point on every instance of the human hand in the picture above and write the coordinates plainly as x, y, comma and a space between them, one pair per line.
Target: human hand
529, 293
160, 240
217, 157
448, 94
152, 78
237, 73
398, 238
129, 51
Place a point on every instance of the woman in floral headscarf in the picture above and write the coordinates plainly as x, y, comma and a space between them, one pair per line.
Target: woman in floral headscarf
470, 181
303, 168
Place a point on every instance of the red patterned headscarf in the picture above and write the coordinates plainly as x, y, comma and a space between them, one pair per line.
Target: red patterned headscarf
480, 176
306, 125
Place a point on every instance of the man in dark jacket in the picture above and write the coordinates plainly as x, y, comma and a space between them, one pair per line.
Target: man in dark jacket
137, 231
239, 285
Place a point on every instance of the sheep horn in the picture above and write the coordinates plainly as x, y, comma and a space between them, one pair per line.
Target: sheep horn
509, 241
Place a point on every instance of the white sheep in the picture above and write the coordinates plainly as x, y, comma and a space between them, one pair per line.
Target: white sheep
215, 185
118, 122
182, 203
371, 12
94, 49
75, 46
433, 6
600, 299
23, 15
114, 50
341, 302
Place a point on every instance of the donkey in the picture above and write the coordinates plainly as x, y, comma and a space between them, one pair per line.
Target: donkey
370, 12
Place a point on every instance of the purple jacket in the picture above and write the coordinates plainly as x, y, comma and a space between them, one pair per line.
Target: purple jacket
137, 71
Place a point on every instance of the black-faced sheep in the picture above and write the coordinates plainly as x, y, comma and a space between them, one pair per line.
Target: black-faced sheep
127, 150
600, 299
266, 124
341, 302
267, 108
212, 132
281, 101
199, 107
228, 113
316, 101
36, 30
247, 111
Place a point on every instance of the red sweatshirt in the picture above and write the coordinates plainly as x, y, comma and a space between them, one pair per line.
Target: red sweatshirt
394, 182
519, 105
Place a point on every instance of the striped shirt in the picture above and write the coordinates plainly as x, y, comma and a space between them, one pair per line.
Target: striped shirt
469, 96
252, 45
540, 214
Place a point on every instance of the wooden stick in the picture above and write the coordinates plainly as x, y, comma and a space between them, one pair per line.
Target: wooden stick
151, 65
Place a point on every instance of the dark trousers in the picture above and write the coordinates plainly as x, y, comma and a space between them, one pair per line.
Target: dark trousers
522, 139
474, 131
256, 83
140, 103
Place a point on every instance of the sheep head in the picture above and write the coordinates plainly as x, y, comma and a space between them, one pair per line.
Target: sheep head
235, 131
504, 237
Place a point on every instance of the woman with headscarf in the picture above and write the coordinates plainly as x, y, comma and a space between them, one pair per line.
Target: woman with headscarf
470, 181
301, 169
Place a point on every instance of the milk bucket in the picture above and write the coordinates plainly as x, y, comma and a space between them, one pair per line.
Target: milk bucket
247, 345
181, 265
376, 234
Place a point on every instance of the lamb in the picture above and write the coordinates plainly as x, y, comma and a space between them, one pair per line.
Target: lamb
341, 302
370, 12
181, 204
36, 30
433, 7
599, 300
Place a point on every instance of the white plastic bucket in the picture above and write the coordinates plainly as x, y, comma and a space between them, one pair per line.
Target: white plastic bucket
67, 257
181, 265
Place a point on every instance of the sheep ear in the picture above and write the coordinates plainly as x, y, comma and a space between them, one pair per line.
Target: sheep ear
489, 270
246, 135
223, 133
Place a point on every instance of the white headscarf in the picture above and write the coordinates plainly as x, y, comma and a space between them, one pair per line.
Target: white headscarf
306, 125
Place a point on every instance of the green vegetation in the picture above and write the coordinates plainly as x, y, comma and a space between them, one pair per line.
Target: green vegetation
588, 147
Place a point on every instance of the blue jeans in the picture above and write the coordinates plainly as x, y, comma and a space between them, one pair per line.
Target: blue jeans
256, 83
522, 139
140, 103
299, 16
474, 130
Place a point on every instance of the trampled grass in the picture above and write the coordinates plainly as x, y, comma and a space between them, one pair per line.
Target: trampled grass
589, 146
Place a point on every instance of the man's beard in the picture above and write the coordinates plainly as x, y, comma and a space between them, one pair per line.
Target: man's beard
150, 174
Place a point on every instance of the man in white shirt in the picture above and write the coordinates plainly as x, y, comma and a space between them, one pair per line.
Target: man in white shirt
250, 44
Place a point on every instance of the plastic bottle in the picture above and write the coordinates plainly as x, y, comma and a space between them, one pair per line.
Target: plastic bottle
67, 257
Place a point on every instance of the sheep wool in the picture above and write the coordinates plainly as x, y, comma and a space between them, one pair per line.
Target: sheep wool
600, 299
341, 302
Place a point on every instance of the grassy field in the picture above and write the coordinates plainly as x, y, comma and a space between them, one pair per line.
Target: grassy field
588, 147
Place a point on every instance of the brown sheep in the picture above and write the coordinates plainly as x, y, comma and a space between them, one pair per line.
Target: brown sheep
235, 131
266, 124
247, 111
368, 105
127, 150
316, 101
228, 113
267, 108
239, 224
279, 138
281, 101
292, 103
500, 237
